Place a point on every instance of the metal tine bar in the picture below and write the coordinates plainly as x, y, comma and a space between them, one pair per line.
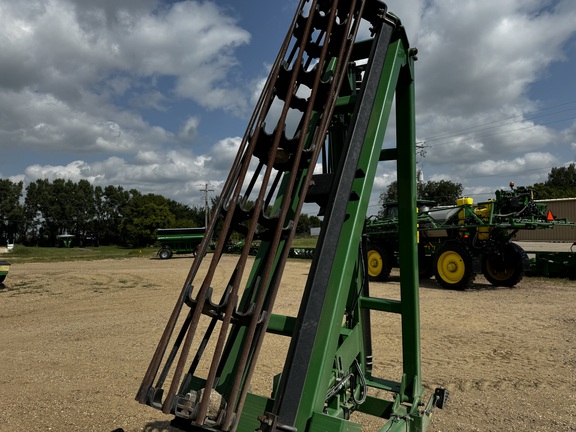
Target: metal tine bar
238, 174
277, 275
273, 188
252, 183
234, 332
286, 203
246, 159
205, 339
318, 39
174, 351
154, 365
336, 85
249, 236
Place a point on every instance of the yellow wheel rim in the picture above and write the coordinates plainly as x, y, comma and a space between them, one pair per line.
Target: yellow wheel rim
375, 263
499, 276
451, 267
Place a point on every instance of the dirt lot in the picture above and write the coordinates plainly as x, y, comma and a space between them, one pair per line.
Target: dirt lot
77, 337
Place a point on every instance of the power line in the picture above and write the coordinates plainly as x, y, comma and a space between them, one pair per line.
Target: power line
512, 123
510, 173
525, 116
501, 133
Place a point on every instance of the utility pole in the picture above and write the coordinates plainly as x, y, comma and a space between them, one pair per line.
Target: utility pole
206, 209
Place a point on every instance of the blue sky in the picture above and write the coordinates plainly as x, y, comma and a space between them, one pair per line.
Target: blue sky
154, 95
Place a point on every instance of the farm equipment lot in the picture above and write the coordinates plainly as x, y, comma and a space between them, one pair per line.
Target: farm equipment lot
77, 337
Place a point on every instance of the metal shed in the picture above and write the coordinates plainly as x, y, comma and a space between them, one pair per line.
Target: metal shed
562, 208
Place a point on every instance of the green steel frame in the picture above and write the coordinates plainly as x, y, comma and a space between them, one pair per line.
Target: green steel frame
328, 373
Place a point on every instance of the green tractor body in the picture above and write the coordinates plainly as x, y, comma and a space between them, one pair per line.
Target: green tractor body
457, 242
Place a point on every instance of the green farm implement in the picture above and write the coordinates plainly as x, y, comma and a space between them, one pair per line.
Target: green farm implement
179, 241
554, 264
457, 242
315, 136
4, 269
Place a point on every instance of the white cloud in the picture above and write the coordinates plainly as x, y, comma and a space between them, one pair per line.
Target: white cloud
65, 64
533, 166
81, 79
480, 55
176, 174
477, 63
189, 129
43, 122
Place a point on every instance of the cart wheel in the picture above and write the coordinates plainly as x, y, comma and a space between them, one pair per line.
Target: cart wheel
453, 269
379, 265
165, 254
506, 267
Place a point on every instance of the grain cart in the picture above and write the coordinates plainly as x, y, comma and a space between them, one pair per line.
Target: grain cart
179, 241
457, 242
326, 102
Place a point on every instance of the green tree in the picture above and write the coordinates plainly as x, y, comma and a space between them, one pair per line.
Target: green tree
82, 212
12, 219
110, 203
42, 222
443, 192
143, 215
305, 223
303, 227
561, 183
59, 207
315, 222
186, 216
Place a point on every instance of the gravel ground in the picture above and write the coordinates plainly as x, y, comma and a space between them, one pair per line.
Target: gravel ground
77, 337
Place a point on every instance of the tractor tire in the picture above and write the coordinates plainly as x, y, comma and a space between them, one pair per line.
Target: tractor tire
453, 266
164, 254
425, 266
2, 278
505, 268
379, 263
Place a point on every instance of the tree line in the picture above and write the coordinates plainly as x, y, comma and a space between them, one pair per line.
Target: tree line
111, 215
94, 215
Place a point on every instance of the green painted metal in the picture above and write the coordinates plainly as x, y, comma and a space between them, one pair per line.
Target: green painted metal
4, 269
328, 373
339, 347
553, 264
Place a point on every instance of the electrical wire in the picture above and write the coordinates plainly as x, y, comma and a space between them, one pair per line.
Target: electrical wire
521, 117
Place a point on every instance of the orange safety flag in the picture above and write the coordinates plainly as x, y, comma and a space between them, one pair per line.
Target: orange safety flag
549, 216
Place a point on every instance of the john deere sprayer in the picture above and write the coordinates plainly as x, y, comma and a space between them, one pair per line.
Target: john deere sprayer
456, 243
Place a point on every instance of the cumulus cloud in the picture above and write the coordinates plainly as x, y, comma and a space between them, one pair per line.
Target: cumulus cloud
189, 129
481, 55
177, 174
477, 63
65, 64
117, 89
524, 170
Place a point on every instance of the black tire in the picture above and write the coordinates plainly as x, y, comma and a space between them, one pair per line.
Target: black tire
379, 263
164, 253
453, 266
2, 278
506, 267
425, 266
